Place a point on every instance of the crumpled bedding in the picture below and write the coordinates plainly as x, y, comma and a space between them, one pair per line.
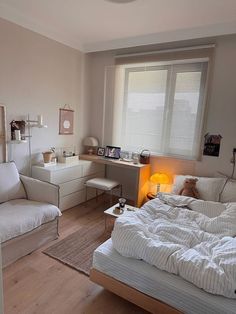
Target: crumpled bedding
173, 234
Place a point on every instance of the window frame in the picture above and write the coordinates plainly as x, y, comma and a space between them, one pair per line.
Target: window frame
173, 68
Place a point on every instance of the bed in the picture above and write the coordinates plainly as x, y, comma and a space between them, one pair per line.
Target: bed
120, 267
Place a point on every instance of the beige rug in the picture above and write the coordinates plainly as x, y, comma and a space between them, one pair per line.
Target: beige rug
76, 250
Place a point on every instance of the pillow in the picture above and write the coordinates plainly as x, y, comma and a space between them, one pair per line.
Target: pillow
228, 194
208, 188
208, 208
10, 185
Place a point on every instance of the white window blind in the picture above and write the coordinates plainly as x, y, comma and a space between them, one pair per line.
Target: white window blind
157, 106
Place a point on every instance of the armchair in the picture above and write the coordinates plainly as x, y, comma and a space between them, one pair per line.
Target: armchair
28, 213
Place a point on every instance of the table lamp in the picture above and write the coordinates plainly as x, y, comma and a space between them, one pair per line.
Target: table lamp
90, 142
159, 178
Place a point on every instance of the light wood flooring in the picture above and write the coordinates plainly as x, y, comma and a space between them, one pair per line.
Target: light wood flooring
38, 284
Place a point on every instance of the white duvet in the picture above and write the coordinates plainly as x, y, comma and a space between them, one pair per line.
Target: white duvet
166, 234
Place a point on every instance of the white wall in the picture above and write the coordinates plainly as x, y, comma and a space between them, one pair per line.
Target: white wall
221, 116
39, 76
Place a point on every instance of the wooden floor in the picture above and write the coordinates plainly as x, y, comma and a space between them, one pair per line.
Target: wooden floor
38, 284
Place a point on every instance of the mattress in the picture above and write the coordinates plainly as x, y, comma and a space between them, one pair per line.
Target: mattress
161, 285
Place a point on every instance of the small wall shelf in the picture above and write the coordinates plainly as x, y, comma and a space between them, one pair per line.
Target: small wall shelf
17, 142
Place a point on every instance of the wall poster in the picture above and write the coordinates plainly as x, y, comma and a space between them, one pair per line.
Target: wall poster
212, 145
66, 121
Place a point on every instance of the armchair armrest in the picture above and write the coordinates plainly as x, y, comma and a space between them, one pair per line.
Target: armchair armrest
40, 191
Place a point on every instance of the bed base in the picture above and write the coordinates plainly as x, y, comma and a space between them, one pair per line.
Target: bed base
131, 294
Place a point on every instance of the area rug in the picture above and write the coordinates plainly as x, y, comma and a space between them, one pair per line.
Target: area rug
76, 250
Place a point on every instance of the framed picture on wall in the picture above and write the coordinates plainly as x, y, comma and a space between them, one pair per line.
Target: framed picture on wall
212, 145
66, 121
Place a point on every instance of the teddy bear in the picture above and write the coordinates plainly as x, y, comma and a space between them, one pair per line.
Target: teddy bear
189, 188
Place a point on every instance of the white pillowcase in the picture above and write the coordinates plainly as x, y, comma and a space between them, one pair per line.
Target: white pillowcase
208, 188
208, 208
229, 192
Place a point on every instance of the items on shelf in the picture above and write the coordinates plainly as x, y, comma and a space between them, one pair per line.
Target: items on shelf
17, 130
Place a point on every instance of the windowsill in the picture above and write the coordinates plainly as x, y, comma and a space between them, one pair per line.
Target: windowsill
185, 158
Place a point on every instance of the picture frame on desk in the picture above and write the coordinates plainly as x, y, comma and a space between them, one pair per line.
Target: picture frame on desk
101, 151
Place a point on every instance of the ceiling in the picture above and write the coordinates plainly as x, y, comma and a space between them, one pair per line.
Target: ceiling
96, 25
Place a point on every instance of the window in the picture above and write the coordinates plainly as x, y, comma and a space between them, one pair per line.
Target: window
159, 107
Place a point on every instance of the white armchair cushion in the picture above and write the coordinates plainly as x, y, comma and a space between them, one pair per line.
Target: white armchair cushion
208, 188
10, 185
20, 216
40, 191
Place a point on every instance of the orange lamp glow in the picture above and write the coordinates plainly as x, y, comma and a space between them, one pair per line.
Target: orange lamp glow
158, 179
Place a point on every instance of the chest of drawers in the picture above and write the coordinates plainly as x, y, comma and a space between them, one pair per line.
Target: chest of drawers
71, 179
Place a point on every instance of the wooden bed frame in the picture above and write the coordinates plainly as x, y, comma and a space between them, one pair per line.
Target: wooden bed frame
131, 294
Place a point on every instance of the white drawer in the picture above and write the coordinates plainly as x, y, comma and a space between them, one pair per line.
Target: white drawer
76, 198
91, 168
72, 200
77, 184
68, 174
72, 186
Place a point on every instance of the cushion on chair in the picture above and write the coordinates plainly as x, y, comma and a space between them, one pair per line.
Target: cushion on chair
20, 216
102, 184
10, 184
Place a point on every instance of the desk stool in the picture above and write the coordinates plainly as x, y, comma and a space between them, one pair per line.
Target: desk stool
104, 185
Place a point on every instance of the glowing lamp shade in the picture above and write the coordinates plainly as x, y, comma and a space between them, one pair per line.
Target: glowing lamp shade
158, 179
90, 142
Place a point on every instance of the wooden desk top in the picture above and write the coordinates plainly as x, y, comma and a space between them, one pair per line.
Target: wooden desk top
112, 162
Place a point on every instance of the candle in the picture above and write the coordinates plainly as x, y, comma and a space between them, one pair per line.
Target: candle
40, 119
17, 135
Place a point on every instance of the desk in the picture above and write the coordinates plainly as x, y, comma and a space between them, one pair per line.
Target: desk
141, 187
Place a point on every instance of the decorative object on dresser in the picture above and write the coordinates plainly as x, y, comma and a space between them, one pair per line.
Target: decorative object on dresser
71, 179
158, 179
101, 151
68, 156
47, 156
144, 157
91, 143
68, 159
112, 152
66, 120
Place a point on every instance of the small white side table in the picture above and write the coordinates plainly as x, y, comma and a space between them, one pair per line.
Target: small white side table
109, 213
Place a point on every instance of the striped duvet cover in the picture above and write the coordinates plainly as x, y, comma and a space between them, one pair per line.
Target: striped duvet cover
166, 234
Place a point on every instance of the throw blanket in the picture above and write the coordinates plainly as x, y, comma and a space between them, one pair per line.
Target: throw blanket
166, 234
